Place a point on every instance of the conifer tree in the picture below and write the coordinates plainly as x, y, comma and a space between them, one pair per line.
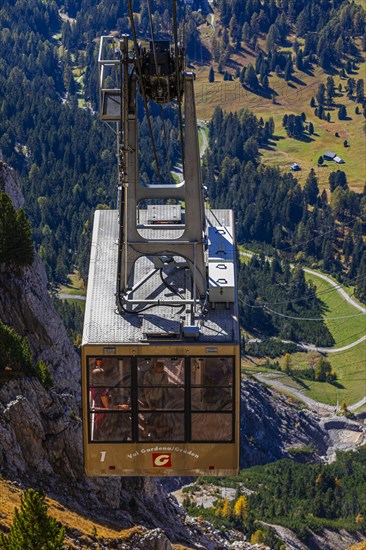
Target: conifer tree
311, 189
288, 70
351, 85
361, 287
8, 229
15, 234
273, 38
15, 352
271, 123
320, 94
32, 527
44, 375
330, 88
299, 60
251, 79
360, 90
246, 33
342, 113
287, 364
25, 249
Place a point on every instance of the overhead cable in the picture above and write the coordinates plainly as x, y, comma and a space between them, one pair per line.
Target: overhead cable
142, 86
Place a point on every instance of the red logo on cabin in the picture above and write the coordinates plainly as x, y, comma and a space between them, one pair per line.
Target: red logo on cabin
162, 460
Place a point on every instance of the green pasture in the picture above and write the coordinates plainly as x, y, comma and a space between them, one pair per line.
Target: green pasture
350, 386
344, 330
350, 367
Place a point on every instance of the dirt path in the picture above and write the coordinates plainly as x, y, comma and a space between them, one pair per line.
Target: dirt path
201, 128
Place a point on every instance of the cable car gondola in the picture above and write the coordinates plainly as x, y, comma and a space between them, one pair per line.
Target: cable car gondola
160, 350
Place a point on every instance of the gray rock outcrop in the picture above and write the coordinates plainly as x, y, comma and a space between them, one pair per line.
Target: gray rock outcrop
271, 427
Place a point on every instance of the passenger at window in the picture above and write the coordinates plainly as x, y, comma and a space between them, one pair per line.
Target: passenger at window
101, 400
155, 382
155, 393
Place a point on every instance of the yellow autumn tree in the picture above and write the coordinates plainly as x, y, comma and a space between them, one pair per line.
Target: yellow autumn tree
319, 479
257, 537
226, 511
359, 519
218, 507
241, 508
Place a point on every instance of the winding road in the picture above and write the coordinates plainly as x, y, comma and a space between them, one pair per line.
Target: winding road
65, 296
343, 293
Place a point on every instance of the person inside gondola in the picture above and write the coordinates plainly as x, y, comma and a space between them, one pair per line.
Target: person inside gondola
156, 382
101, 400
155, 392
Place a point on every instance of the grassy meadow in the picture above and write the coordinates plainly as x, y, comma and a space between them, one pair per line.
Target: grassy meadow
290, 98
344, 331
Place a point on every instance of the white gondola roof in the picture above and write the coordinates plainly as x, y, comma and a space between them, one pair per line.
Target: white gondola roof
104, 325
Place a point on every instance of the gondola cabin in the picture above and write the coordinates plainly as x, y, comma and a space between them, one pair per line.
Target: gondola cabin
161, 397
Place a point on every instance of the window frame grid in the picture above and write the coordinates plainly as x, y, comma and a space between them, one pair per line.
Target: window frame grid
187, 411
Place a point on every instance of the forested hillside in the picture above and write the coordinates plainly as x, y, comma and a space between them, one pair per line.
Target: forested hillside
304, 497
287, 294
272, 208
65, 156
329, 30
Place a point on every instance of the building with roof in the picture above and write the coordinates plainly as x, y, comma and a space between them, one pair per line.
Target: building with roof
329, 155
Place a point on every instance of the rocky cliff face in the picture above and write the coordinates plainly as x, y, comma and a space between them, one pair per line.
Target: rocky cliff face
26, 306
271, 427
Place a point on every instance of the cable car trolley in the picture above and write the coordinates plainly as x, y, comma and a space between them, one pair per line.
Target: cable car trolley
160, 350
